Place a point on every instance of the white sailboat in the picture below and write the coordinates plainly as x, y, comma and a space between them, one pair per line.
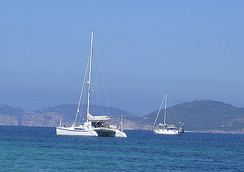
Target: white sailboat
164, 128
94, 125
85, 129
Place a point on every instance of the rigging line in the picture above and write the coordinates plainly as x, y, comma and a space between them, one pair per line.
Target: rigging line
81, 110
100, 79
165, 107
83, 85
159, 111
173, 117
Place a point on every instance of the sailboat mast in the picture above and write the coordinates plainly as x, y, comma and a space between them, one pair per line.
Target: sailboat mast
165, 107
89, 80
121, 123
158, 111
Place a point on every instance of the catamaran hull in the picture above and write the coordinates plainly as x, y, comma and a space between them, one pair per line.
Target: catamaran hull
167, 132
71, 131
120, 134
104, 132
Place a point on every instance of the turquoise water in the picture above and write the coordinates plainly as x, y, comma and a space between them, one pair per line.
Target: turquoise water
40, 149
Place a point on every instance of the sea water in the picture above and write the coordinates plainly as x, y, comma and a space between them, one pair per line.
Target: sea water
40, 149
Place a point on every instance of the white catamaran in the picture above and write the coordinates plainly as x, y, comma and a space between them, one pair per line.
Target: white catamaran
104, 129
94, 125
164, 128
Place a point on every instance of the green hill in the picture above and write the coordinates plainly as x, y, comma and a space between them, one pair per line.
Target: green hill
202, 115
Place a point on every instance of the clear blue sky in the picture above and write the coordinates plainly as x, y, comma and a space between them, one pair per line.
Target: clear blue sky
193, 49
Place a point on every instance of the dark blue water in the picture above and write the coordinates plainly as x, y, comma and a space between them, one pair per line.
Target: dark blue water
40, 149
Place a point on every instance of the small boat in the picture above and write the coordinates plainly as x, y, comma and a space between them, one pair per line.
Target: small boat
94, 125
166, 129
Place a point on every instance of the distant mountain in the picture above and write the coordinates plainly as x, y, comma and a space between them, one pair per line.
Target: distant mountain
198, 116
50, 117
68, 112
10, 115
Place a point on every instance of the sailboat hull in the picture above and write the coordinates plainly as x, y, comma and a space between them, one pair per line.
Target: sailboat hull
167, 132
74, 131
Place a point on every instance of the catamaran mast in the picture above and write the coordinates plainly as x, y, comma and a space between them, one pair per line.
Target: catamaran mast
89, 79
165, 107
